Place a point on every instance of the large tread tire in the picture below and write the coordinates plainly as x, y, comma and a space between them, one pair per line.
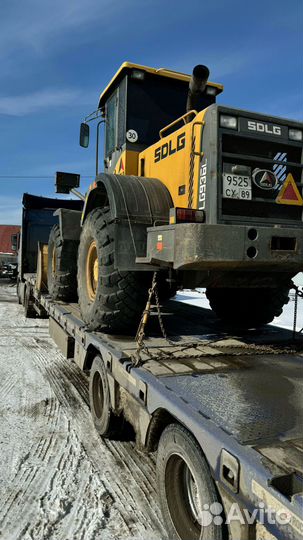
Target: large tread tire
107, 423
119, 296
62, 267
246, 307
180, 459
29, 310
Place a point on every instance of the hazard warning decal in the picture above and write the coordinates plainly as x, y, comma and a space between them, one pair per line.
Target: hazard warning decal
289, 193
120, 169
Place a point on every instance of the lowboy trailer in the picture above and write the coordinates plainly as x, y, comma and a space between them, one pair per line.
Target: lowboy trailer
224, 413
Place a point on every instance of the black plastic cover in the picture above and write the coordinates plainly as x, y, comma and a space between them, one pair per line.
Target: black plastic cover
35, 202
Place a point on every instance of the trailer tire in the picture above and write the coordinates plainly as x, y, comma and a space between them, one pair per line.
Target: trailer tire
182, 475
62, 267
248, 307
29, 310
107, 424
109, 299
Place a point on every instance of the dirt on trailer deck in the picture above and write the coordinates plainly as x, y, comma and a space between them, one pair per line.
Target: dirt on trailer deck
58, 479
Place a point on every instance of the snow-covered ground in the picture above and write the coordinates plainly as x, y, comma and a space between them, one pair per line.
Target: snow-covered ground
58, 479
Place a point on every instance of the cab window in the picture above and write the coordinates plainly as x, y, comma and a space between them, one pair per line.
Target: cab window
111, 124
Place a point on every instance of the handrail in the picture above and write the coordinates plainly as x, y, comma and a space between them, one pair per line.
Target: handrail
176, 122
202, 123
172, 71
193, 154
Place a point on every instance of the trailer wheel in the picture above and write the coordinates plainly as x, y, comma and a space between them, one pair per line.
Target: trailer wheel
106, 422
185, 487
248, 307
62, 267
109, 299
29, 310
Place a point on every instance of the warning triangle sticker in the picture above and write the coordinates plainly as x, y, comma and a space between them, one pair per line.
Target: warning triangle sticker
289, 193
121, 167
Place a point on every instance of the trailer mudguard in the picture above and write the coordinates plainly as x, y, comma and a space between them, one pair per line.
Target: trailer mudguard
69, 223
136, 203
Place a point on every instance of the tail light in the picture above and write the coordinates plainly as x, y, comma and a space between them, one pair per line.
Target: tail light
186, 215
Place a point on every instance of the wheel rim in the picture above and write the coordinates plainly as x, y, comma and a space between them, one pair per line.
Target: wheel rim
92, 270
183, 498
98, 395
191, 493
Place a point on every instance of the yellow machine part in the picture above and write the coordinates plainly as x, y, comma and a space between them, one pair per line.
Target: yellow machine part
42, 261
127, 163
161, 72
175, 159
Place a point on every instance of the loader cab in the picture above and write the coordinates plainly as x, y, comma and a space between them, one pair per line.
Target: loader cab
138, 102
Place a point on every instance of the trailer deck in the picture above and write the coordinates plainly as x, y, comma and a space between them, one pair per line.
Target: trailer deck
240, 395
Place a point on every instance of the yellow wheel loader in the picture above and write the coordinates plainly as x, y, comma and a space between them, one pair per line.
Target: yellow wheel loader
203, 194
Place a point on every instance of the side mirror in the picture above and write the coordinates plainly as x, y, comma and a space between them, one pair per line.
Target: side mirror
84, 135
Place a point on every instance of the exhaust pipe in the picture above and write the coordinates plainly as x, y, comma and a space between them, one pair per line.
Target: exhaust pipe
197, 85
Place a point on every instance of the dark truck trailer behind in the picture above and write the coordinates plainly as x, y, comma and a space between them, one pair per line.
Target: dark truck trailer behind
37, 221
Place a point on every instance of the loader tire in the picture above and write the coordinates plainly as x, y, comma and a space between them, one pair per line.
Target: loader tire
62, 267
109, 299
248, 308
29, 310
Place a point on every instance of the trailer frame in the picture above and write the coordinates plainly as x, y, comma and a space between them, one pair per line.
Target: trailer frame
252, 439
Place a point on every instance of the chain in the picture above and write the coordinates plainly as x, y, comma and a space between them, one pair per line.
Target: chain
161, 324
140, 335
298, 293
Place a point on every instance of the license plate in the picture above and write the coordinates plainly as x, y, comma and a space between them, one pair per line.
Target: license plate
236, 186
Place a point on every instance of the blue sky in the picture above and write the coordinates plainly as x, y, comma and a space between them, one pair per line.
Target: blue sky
57, 55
